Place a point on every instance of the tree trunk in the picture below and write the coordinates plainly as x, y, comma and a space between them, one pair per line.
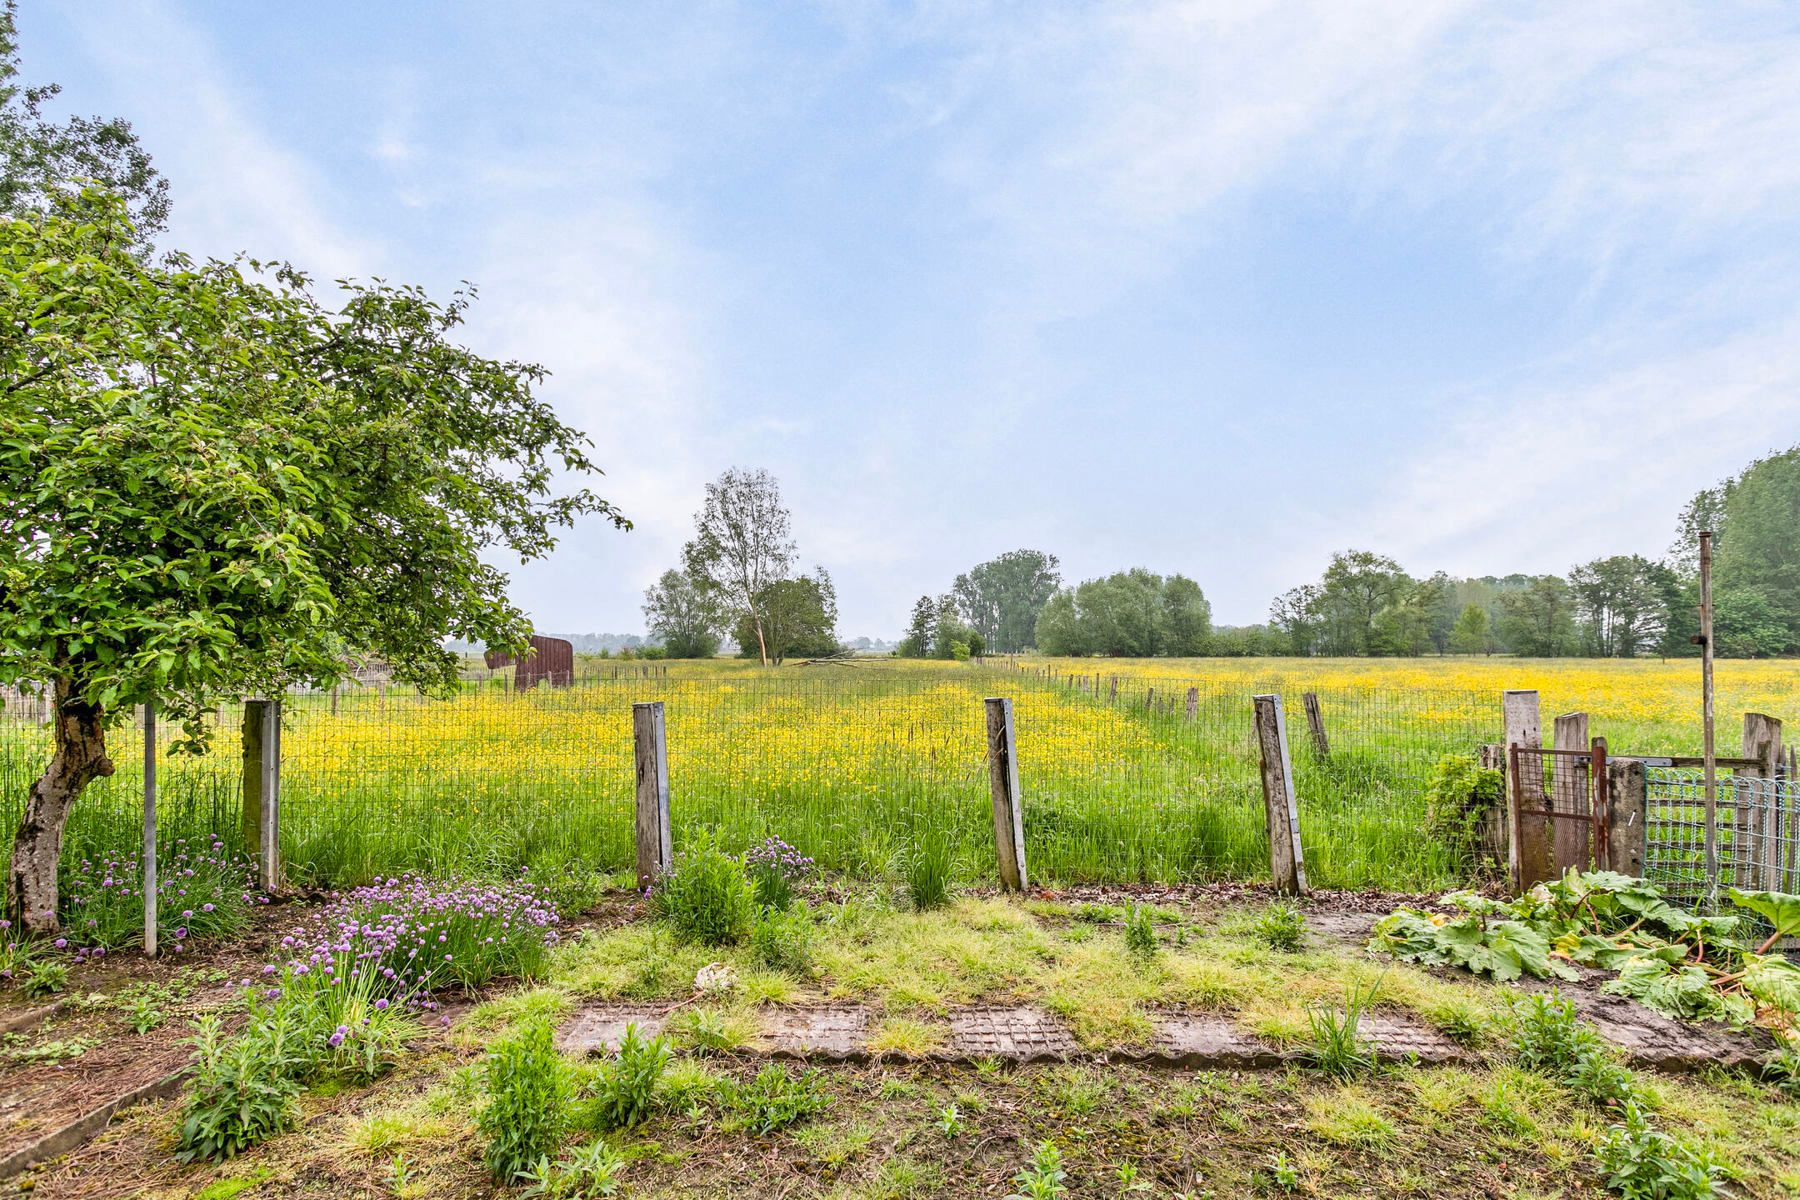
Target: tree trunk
762, 644
79, 759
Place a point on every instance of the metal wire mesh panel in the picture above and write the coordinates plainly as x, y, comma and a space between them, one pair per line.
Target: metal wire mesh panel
1758, 833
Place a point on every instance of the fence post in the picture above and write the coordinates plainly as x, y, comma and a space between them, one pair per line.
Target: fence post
655, 844
1315, 725
1762, 741
252, 774
1626, 797
1112, 694
1529, 840
150, 829
1495, 832
1286, 860
1003, 777
1570, 786
1193, 703
271, 825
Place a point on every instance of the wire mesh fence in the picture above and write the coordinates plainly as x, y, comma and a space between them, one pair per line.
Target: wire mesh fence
1757, 842
1138, 781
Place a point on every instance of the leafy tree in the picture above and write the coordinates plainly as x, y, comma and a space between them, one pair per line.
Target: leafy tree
1131, 613
1437, 597
211, 483
1001, 598
1295, 617
684, 613
1059, 628
1470, 635
1759, 545
1356, 587
1746, 624
41, 160
798, 620
917, 642
743, 544
1622, 604
1538, 620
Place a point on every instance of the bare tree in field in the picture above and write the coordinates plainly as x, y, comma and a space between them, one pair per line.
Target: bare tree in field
742, 543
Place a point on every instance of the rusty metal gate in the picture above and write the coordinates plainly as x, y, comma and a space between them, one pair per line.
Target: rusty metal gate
1561, 815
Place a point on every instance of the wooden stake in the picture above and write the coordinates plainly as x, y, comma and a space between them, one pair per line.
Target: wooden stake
1315, 725
1287, 862
655, 847
1570, 785
1528, 847
1003, 779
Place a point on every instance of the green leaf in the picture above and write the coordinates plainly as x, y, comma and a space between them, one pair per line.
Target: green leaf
1778, 908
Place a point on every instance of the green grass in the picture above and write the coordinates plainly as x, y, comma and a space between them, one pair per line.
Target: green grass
857, 766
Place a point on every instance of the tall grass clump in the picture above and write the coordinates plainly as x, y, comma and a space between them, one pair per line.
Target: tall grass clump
707, 897
929, 868
1338, 1047
203, 891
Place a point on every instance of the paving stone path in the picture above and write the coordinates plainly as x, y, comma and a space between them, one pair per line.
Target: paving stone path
1021, 1033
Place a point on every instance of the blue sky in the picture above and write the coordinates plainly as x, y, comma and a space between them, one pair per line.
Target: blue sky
1211, 288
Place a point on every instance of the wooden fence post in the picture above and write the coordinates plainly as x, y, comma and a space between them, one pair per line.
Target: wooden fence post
1762, 741
655, 841
150, 829
1315, 725
252, 774
1193, 703
1112, 694
1570, 786
1003, 777
1626, 836
1528, 847
1287, 862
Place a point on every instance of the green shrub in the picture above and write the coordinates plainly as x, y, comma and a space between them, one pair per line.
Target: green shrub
706, 897
1459, 796
1140, 931
777, 1098
525, 1117
244, 1088
1641, 1163
929, 867
1281, 927
1782, 1068
782, 941
627, 1084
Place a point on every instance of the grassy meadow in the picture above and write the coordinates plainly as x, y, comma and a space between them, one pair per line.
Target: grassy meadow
859, 764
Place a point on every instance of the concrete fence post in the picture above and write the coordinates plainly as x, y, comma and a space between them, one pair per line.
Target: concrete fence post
1003, 778
655, 841
1287, 862
1627, 839
150, 829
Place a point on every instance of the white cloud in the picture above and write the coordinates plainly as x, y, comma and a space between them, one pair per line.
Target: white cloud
235, 189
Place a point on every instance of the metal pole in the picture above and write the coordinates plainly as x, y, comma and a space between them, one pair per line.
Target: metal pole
1710, 748
150, 829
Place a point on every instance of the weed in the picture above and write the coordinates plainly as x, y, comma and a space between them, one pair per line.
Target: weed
949, 1121
782, 941
627, 1084
902, 1035
593, 1171
1337, 1047
1285, 1174
706, 897
61, 1050
1140, 931
527, 1102
1548, 1038
711, 1031
1641, 1163
244, 1089
1782, 1068
776, 1099
45, 977
1043, 1178
1129, 1179
929, 868
1281, 927
143, 1013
